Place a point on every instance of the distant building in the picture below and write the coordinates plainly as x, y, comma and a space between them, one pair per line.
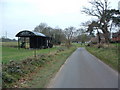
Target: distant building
95, 39
116, 37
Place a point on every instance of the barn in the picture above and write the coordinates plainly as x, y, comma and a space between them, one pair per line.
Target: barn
31, 39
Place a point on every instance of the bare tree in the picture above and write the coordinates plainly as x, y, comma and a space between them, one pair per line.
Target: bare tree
56, 34
40, 27
69, 34
82, 36
100, 10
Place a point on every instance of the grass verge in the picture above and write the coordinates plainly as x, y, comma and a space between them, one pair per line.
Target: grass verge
44, 74
108, 55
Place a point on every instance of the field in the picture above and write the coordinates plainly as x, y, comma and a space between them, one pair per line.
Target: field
10, 53
9, 44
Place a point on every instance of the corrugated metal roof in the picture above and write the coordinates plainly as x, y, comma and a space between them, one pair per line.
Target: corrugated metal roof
39, 34
27, 33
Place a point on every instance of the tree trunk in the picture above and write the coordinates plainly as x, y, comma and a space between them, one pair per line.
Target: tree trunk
107, 38
99, 39
106, 33
69, 42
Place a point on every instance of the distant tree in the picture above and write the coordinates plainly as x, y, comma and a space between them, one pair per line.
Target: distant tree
82, 36
56, 34
47, 31
79, 34
40, 27
80, 31
69, 32
4, 39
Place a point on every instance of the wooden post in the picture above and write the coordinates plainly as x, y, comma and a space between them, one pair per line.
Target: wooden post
37, 43
35, 52
18, 43
25, 42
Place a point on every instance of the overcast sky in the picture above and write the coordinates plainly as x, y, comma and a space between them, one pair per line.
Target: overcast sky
17, 15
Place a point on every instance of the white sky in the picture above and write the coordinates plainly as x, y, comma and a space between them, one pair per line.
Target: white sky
17, 15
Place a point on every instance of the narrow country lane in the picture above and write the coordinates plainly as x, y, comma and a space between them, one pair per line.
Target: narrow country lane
83, 70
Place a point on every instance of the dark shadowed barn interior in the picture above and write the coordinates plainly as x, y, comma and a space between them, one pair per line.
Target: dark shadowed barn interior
35, 40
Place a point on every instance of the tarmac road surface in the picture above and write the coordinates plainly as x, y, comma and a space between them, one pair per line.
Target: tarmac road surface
83, 70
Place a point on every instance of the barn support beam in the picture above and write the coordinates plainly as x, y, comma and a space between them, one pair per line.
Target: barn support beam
18, 43
25, 42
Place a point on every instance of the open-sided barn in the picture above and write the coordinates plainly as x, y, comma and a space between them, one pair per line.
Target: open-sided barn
35, 40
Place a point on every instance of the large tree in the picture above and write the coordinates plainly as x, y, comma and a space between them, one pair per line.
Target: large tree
100, 11
94, 25
115, 16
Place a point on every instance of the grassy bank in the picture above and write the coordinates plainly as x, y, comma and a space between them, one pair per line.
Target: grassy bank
34, 72
42, 76
109, 55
